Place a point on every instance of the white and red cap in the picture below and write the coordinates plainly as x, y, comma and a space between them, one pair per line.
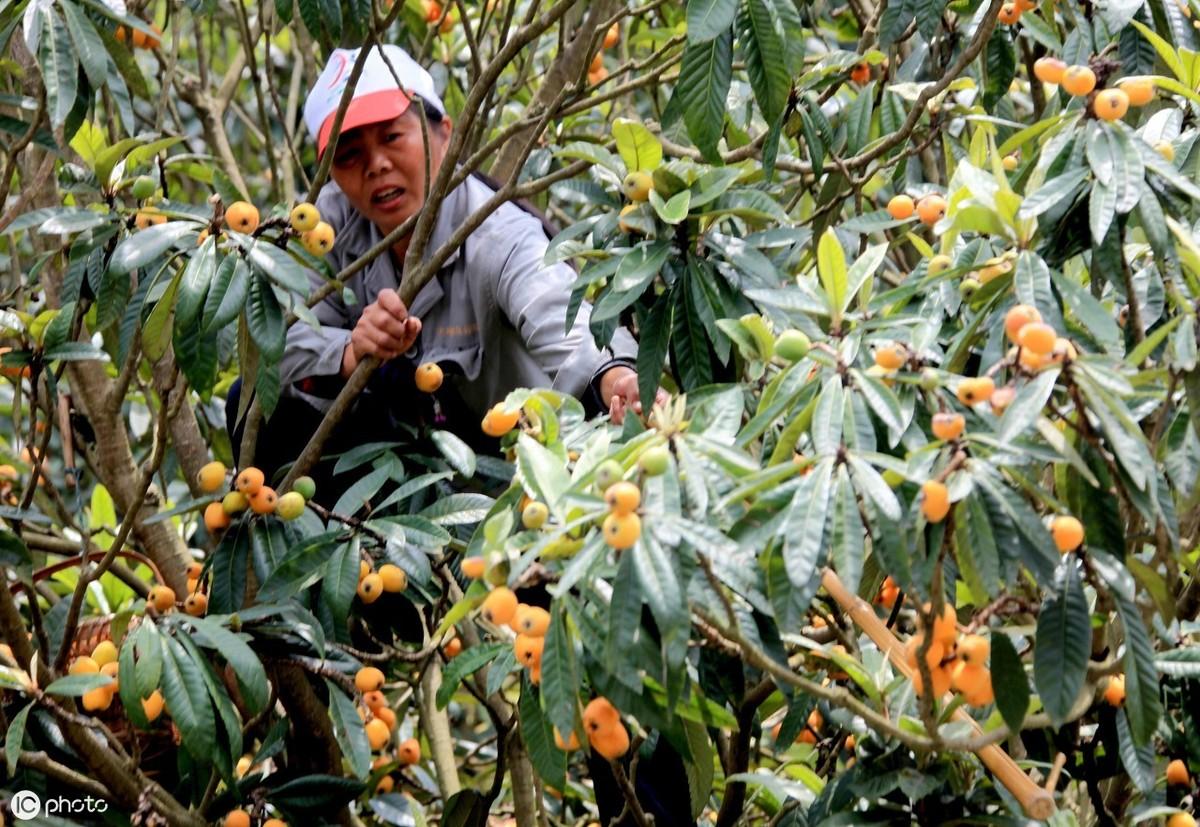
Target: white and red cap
377, 96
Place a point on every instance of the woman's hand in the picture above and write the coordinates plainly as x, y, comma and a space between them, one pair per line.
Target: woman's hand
384, 330
619, 390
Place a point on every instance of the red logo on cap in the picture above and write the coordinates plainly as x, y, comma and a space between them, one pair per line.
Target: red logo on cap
343, 61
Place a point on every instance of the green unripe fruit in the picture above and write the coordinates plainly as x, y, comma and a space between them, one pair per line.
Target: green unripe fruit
290, 505
792, 345
930, 379
305, 487
234, 502
655, 461
535, 515
607, 473
968, 287
143, 187
938, 265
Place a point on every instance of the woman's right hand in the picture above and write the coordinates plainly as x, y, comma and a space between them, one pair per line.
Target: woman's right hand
384, 330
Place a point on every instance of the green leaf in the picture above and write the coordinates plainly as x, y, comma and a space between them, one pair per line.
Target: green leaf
211, 634
707, 19
624, 626
639, 266
1026, 406
60, 67
197, 276
144, 246
457, 453
544, 473
186, 696
661, 589
13, 737
831, 267
1063, 643
546, 757
89, 48
1102, 208
804, 525
638, 147
703, 85
1138, 760
76, 685
467, 662
1052, 192
1142, 703
560, 677
673, 211
858, 118
349, 731
265, 319
156, 332
458, 509
975, 549
1000, 59
1009, 683
278, 266
229, 570
227, 294
654, 344
304, 797
304, 565
847, 547
763, 49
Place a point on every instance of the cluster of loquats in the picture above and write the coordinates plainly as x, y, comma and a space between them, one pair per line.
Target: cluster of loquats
929, 210
501, 608
250, 491
606, 733
103, 661
379, 722
954, 663
372, 584
138, 38
1080, 81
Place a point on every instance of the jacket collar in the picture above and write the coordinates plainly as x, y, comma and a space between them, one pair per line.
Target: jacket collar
382, 272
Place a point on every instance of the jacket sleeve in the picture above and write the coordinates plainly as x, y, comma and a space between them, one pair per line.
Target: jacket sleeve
535, 296
318, 352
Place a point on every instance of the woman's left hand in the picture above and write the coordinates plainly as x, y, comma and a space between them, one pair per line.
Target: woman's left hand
619, 390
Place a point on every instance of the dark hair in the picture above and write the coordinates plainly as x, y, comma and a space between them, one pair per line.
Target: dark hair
432, 113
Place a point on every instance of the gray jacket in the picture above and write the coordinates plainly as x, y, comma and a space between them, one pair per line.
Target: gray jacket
495, 308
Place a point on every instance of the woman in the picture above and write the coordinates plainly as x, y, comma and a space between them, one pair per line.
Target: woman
494, 316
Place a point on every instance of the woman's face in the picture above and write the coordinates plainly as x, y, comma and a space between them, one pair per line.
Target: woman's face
381, 167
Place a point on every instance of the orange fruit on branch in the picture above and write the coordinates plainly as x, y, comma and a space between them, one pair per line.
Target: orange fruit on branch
901, 207
1139, 90
500, 606
1049, 69
1067, 532
935, 501
1078, 81
1111, 104
428, 377
948, 425
1019, 316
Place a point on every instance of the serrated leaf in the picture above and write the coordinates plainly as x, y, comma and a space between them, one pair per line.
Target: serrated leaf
144, 246
763, 49
1063, 643
804, 525
191, 708
467, 662
703, 85
349, 731
638, 147
547, 759
1009, 683
706, 19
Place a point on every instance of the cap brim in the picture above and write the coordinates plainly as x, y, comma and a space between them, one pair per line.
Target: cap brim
366, 109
